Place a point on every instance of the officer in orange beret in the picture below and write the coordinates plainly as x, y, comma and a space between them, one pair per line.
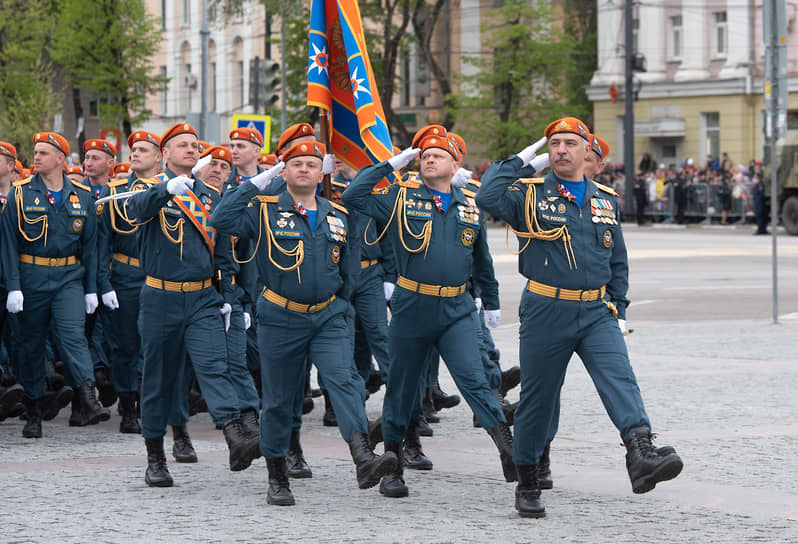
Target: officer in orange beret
75, 173
145, 154
594, 161
121, 170
17, 171
267, 160
98, 163
216, 172
301, 132
49, 259
8, 160
574, 302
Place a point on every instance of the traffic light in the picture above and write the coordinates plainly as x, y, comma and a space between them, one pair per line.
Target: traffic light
264, 83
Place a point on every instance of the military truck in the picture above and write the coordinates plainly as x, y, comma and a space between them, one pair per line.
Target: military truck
788, 183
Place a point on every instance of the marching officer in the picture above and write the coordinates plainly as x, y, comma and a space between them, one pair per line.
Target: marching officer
49, 258
245, 146
307, 265
181, 314
437, 247
574, 258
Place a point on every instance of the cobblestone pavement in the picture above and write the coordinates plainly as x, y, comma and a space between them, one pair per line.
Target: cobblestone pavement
721, 392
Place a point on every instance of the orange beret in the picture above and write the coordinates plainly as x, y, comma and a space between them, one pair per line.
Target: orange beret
570, 125
99, 145
121, 167
18, 166
599, 147
72, 170
302, 149
294, 131
441, 143
248, 134
267, 159
202, 145
429, 130
8, 150
218, 152
144, 136
459, 143
26, 172
174, 130
55, 140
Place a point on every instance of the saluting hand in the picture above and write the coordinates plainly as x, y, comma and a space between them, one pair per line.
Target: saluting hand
202, 163
461, 177
262, 180
328, 164
528, 153
540, 162
401, 160
179, 185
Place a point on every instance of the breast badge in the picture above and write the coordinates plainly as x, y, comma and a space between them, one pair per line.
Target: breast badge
335, 254
100, 209
607, 238
467, 237
77, 224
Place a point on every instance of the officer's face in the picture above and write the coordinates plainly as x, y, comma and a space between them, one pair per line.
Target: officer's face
6, 166
437, 163
215, 173
593, 166
182, 151
243, 152
46, 158
144, 157
567, 155
97, 163
302, 172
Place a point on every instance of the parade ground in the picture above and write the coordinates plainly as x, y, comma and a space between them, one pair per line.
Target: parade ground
718, 378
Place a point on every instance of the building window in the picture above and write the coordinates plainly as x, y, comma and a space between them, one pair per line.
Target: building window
635, 35
164, 92
212, 89
187, 12
711, 137
240, 80
406, 80
676, 38
719, 34
163, 14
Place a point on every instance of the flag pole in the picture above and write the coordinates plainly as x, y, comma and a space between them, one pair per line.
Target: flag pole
324, 122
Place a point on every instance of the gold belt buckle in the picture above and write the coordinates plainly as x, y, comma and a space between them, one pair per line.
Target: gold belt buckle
585, 296
53, 262
185, 286
312, 309
444, 291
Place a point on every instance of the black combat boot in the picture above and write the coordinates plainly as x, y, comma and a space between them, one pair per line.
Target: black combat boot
424, 428
251, 423
430, 413
243, 448
157, 474
375, 432
393, 484
414, 457
646, 465
375, 381
510, 378
295, 459
307, 400
279, 491
503, 438
53, 401
196, 402
182, 449
105, 385
75, 417
370, 466
508, 409
329, 419
441, 400
544, 469
33, 427
527, 493
91, 412
9, 398
130, 417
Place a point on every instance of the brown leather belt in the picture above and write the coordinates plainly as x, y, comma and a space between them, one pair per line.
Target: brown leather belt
178, 286
126, 259
271, 296
566, 294
48, 261
366, 263
432, 290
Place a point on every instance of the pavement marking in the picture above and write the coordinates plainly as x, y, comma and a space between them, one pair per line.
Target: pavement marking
789, 317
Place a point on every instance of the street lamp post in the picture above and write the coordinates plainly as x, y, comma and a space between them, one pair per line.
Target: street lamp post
205, 33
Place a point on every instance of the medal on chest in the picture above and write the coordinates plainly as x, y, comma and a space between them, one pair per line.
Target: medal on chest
602, 211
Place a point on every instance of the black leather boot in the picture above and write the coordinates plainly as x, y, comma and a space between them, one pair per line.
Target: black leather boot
424, 428
414, 457
393, 484
375, 432
105, 386
510, 378
430, 413
295, 461
503, 438
441, 400
91, 412
157, 474
307, 401
196, 402
329, 419
251, 423
182, 449
243, 448
279, 492
9, 397
33, 427
647, 466
508, 409
527, 493
375, 381
370, 466
76, 417
544, 469
130, 418
53, 401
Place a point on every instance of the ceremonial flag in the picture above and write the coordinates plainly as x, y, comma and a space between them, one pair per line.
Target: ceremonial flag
341, 81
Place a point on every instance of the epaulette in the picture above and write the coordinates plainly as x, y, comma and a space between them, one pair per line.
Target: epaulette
410, 174
268, 199
149, 181
606, 189
118, 182
339, 184
81, 186
466, 192
475, 183
22, 182
531, 181
409, 183
339, 207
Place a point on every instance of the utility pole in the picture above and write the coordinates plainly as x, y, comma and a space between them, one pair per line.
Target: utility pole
205, 32
629, 115
283, 60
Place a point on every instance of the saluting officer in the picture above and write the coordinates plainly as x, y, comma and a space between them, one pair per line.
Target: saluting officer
49, 258
574, 258
181, 314
437, 247
306, 264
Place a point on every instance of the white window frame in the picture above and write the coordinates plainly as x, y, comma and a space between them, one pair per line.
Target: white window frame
720, 34
676, 38
187, 13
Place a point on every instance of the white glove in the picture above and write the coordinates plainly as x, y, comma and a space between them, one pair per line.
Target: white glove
529, 152
493, 318
387, 288
179, 185
265, 178
478, 304
540, 162
328, 164
91, 302
14, 302
226, 310
461, 177
401, 160
622, 326
247, 321
202, 163
110, 300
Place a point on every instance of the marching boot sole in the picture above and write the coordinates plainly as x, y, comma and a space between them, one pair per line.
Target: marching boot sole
250, 454
280, 501
395, 493
158, 483
386, 466
665, 472
530, 513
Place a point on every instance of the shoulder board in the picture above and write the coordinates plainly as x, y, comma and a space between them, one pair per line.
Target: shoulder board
338, 184
22, 182
339, 207
118, 182
410, 174
606, 189
475, 183
410, 183
531, 181
268, 199
149, 181
466, 192
81, 186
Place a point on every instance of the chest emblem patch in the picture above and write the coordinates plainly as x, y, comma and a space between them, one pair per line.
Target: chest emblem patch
607, 238
467, 237
335, 254
77, 224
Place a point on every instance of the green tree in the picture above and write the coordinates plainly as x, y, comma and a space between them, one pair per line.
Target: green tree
27, 99
580, 25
